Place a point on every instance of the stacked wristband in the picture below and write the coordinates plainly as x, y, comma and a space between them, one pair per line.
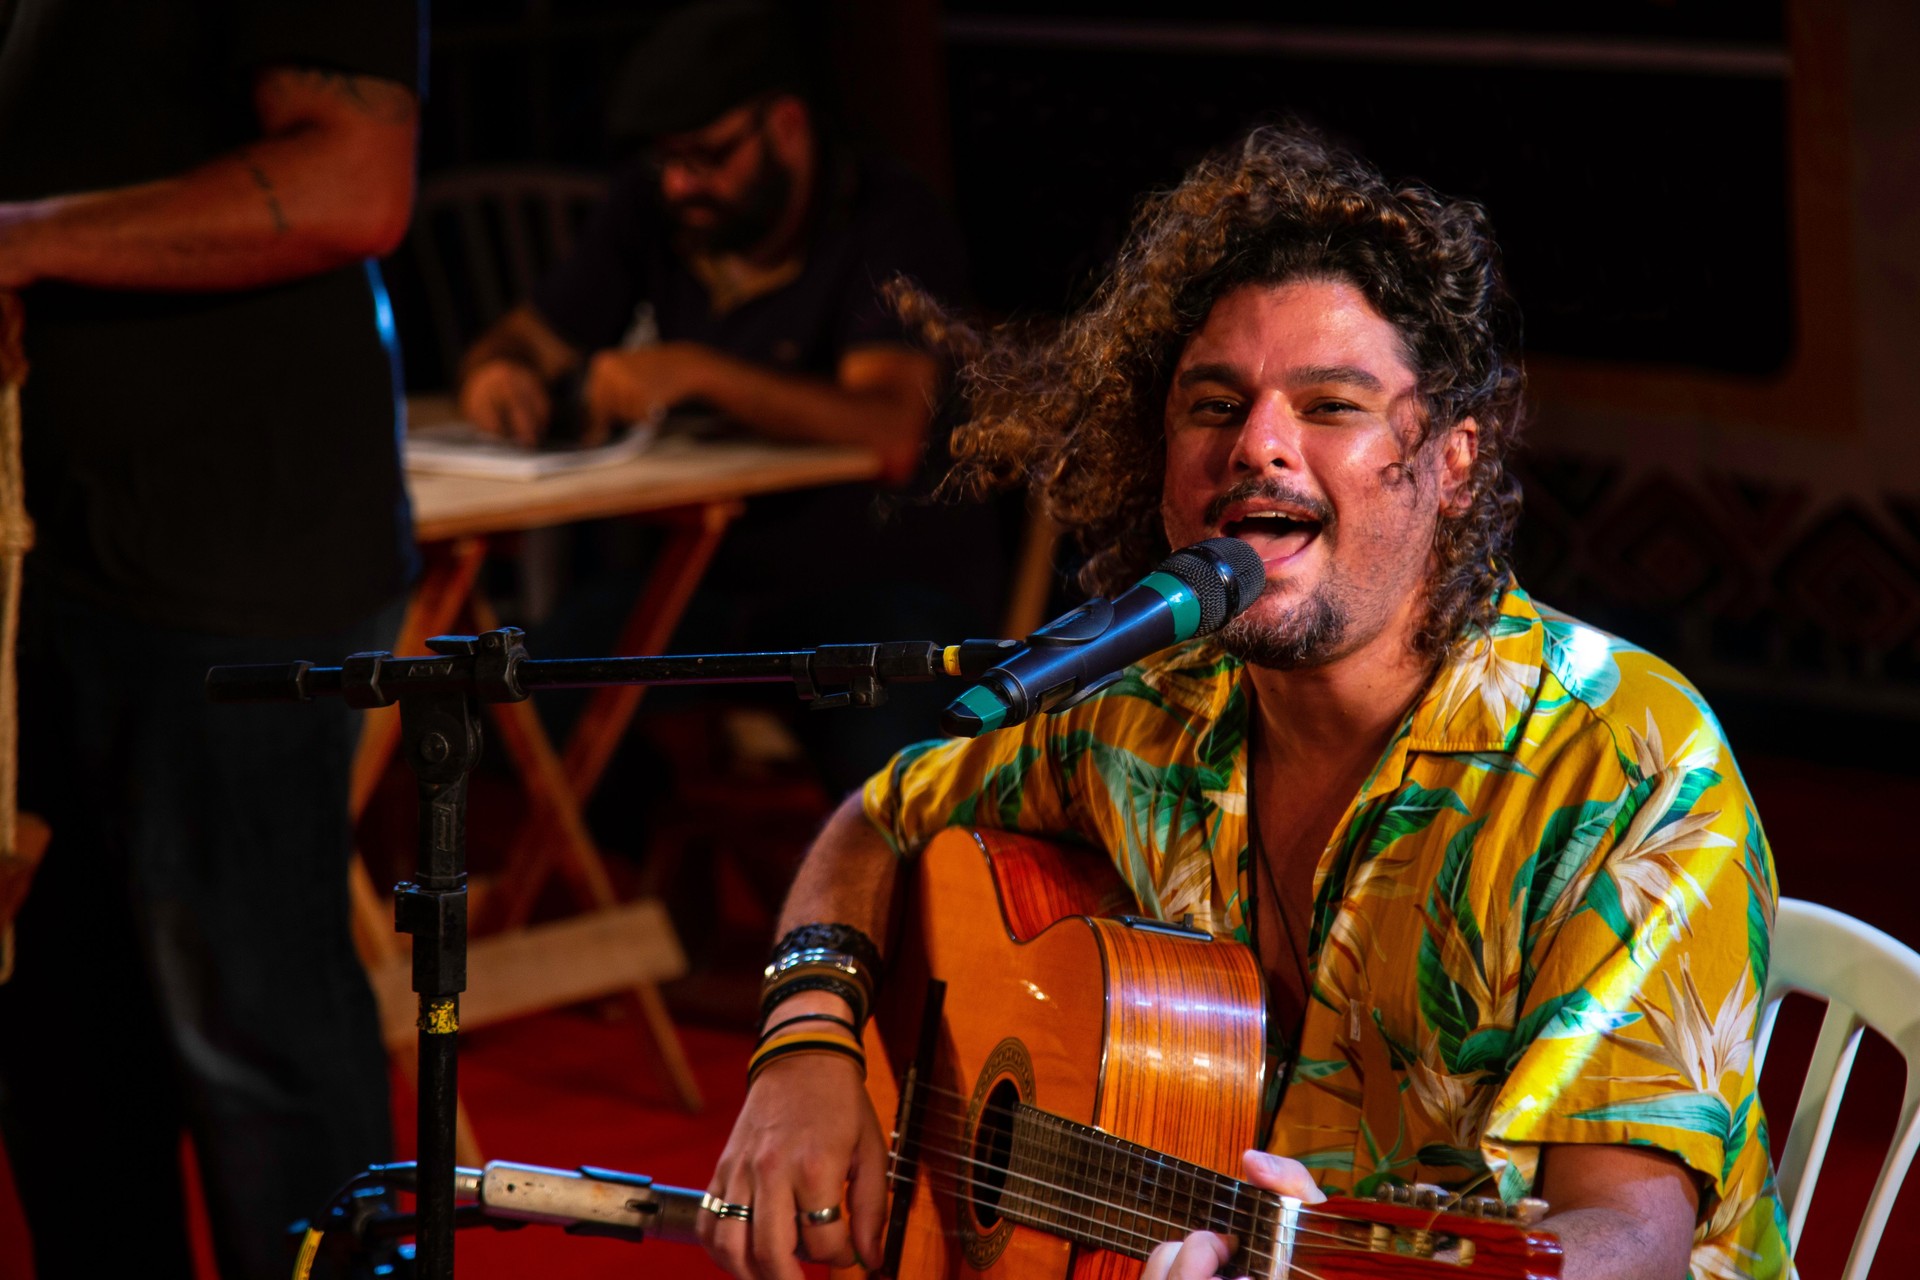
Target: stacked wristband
798, 1042
834, 958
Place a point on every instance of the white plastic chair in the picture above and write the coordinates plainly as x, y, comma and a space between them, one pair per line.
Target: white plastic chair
1868, 979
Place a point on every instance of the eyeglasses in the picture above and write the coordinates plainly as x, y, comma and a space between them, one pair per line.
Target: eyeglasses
702, 159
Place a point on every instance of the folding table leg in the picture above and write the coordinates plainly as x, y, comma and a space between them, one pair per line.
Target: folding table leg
526, 742
695, 535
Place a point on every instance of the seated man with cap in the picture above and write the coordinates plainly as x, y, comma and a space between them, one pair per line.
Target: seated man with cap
737, 263
738, 268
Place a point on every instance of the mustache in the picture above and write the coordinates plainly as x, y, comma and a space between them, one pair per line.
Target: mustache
1271, 491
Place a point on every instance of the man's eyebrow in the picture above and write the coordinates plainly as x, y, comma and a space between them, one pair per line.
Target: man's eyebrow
1207, 373
1350, 374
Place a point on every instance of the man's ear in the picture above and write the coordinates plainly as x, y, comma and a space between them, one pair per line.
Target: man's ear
1458, 453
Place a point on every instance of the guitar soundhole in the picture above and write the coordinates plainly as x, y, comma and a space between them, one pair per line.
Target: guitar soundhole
1004, 1082
992, 1151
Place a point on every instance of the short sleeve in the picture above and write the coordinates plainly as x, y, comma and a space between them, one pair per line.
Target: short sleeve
1646, 991
589, 297
1004, 780
383, 38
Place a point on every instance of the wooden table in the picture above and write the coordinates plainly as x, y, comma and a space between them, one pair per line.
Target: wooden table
693, 488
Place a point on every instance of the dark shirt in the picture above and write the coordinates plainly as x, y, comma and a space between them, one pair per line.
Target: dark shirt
872, 221
814, 566
222, 461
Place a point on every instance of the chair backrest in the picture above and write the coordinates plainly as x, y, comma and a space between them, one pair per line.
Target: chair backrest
481, 237
1868, 979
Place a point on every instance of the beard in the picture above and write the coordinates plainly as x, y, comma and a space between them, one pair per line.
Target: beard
1311, 633
742, 224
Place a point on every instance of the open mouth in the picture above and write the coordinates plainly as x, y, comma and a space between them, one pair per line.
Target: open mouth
1276, 535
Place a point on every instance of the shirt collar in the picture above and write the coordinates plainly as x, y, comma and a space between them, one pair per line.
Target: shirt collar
1480, 697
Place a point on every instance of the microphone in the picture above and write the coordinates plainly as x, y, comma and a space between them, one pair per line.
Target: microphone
1193, 593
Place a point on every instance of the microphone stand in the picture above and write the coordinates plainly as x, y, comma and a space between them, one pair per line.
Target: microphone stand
439, 698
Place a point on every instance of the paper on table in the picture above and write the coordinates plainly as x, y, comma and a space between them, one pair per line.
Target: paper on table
462, 449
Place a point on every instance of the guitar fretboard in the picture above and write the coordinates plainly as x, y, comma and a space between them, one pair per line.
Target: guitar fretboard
1072, 1180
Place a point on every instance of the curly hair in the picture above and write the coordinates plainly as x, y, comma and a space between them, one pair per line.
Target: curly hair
1077, 410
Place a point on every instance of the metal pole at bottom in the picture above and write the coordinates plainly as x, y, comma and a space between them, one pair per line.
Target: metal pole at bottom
440, 738
434, 1134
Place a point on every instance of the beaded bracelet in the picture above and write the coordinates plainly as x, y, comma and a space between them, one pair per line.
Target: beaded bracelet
801, 1042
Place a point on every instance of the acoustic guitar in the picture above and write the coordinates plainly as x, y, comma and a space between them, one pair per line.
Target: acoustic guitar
1069, 1085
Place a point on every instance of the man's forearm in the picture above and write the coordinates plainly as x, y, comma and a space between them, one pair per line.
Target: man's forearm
890, 420
258, 216
329, 181
1608, 1244
846, 878
522, 337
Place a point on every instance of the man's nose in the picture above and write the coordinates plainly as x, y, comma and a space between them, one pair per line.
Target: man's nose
679, 181
1270, 438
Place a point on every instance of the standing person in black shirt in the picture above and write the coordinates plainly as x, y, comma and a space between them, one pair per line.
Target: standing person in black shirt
737, 270
190, 197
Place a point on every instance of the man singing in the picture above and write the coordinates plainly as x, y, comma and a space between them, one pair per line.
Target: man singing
1502, 874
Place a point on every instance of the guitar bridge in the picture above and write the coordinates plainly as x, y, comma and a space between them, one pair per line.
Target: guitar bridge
1438, 1245
1425, 1195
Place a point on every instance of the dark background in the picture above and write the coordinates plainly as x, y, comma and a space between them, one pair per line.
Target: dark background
1632, 154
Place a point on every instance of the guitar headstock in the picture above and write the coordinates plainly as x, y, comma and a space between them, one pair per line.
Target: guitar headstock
1424, 1232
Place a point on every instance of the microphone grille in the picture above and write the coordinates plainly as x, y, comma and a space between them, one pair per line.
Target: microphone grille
1224, 574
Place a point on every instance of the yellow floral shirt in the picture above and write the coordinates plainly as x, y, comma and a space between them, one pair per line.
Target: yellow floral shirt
1557, 838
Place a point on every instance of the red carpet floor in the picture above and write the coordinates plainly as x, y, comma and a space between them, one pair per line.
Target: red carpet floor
576, 1087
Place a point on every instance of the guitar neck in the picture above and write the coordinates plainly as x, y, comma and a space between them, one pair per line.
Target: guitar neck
1079, 1183
1074, 1181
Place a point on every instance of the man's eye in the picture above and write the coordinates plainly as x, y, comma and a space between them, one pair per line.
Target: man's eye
1327, 407
1215, 407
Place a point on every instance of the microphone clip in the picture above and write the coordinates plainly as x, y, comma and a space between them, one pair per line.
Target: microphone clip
1088, 622
865, 670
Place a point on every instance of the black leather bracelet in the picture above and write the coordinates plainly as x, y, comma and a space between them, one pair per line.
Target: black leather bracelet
784, 1023
856, 999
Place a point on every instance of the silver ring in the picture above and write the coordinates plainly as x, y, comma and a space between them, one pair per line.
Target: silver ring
821, 1217
719, 1208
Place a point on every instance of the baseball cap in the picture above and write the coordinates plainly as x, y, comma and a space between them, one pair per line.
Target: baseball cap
701, 62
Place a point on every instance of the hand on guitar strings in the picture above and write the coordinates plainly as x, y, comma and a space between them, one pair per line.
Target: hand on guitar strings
806, 1139
1201, 1255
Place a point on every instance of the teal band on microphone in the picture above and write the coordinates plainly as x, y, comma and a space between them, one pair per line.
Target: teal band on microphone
991, 711
1180, 598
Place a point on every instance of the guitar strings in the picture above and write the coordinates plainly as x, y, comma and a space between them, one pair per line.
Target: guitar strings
1249, 1252
1239, 1220
1242, 1222
1249, 1229
1215, 1184
1235, 1217
1253, 1261
1219, 1183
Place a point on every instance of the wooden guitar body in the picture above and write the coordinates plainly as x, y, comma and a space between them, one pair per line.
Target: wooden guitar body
1145, 1034
1083, 1084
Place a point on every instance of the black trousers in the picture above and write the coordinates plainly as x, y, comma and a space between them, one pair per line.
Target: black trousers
184, 959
